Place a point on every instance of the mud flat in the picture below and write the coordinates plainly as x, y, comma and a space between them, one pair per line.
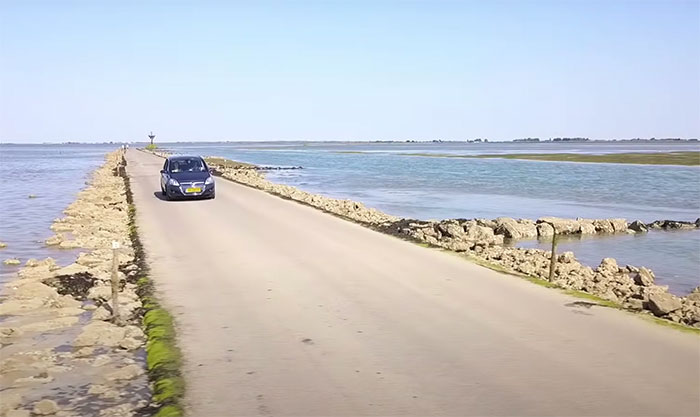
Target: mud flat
62, 352
623, 286
685, 158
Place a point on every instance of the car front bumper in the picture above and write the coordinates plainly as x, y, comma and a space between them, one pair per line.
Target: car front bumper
181, 191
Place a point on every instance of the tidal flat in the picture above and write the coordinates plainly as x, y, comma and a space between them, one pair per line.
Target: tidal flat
657, 158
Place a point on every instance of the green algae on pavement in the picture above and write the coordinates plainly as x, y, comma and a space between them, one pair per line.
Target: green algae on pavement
169, 411
163, 357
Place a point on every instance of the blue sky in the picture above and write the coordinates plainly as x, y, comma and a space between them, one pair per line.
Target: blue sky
300, 70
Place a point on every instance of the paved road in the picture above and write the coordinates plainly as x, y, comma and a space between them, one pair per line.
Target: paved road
284, 310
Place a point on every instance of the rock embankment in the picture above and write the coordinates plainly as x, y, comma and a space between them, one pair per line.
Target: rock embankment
482, 239
61, 353
516, 229
628, 286
346, 208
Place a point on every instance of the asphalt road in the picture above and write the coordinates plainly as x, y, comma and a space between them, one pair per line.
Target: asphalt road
284, 310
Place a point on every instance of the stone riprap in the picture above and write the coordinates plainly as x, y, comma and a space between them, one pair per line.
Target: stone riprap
57, 340
482, 239
346, 208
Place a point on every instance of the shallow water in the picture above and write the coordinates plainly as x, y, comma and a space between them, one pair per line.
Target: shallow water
437, 188
675, 253
54, 174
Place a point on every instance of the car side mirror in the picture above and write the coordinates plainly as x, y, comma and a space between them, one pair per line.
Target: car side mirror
162, 171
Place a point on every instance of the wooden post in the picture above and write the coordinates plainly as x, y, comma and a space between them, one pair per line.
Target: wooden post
553, 258
115, 282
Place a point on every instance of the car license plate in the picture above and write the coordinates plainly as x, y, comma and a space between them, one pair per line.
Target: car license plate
193, 190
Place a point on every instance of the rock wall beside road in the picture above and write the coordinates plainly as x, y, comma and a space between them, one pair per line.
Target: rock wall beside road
346, 208
60, 352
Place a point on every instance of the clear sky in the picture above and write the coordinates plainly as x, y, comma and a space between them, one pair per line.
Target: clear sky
301, 70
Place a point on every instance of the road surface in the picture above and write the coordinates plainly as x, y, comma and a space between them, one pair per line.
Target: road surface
284, 310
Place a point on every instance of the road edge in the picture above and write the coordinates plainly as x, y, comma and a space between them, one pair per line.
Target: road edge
163, 356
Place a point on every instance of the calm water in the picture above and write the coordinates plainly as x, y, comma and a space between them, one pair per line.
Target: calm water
55, 174
435, 188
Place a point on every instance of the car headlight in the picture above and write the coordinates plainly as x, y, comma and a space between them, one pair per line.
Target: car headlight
209, 181
173, 182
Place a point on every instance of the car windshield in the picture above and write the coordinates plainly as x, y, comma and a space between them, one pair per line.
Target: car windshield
187, 165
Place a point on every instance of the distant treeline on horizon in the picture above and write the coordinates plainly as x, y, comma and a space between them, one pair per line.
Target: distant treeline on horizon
477, 140
605, 140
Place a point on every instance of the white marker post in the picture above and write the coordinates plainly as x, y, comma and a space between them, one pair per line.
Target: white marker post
115, 281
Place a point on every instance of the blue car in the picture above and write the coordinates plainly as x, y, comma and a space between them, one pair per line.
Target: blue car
186, 177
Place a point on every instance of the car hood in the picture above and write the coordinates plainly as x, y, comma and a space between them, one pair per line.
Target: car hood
190, 176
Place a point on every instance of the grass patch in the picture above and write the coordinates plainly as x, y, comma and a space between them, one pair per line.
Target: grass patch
151, 147
691, 158
673, 325
685, 158
163, 357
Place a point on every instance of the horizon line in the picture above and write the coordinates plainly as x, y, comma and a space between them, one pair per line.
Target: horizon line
475, 140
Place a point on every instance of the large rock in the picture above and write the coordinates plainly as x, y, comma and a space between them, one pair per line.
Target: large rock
527, 229
619, 225
586, 227
566, 257
671, 225
603, 226
72, 269
608, 266
54, 240
100, 292
638, 227
562, 226
490, 223
508, 227
480, 234
100, 333
662, 304
694, 295
643, 277
45, 408
545, 230
456, 245
451, 228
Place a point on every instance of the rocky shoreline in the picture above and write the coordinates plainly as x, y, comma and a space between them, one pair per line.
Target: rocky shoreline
62, 354
627, 286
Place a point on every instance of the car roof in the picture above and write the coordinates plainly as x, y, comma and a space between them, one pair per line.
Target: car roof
174, 157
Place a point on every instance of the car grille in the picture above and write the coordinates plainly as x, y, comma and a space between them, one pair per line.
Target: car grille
191, 184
